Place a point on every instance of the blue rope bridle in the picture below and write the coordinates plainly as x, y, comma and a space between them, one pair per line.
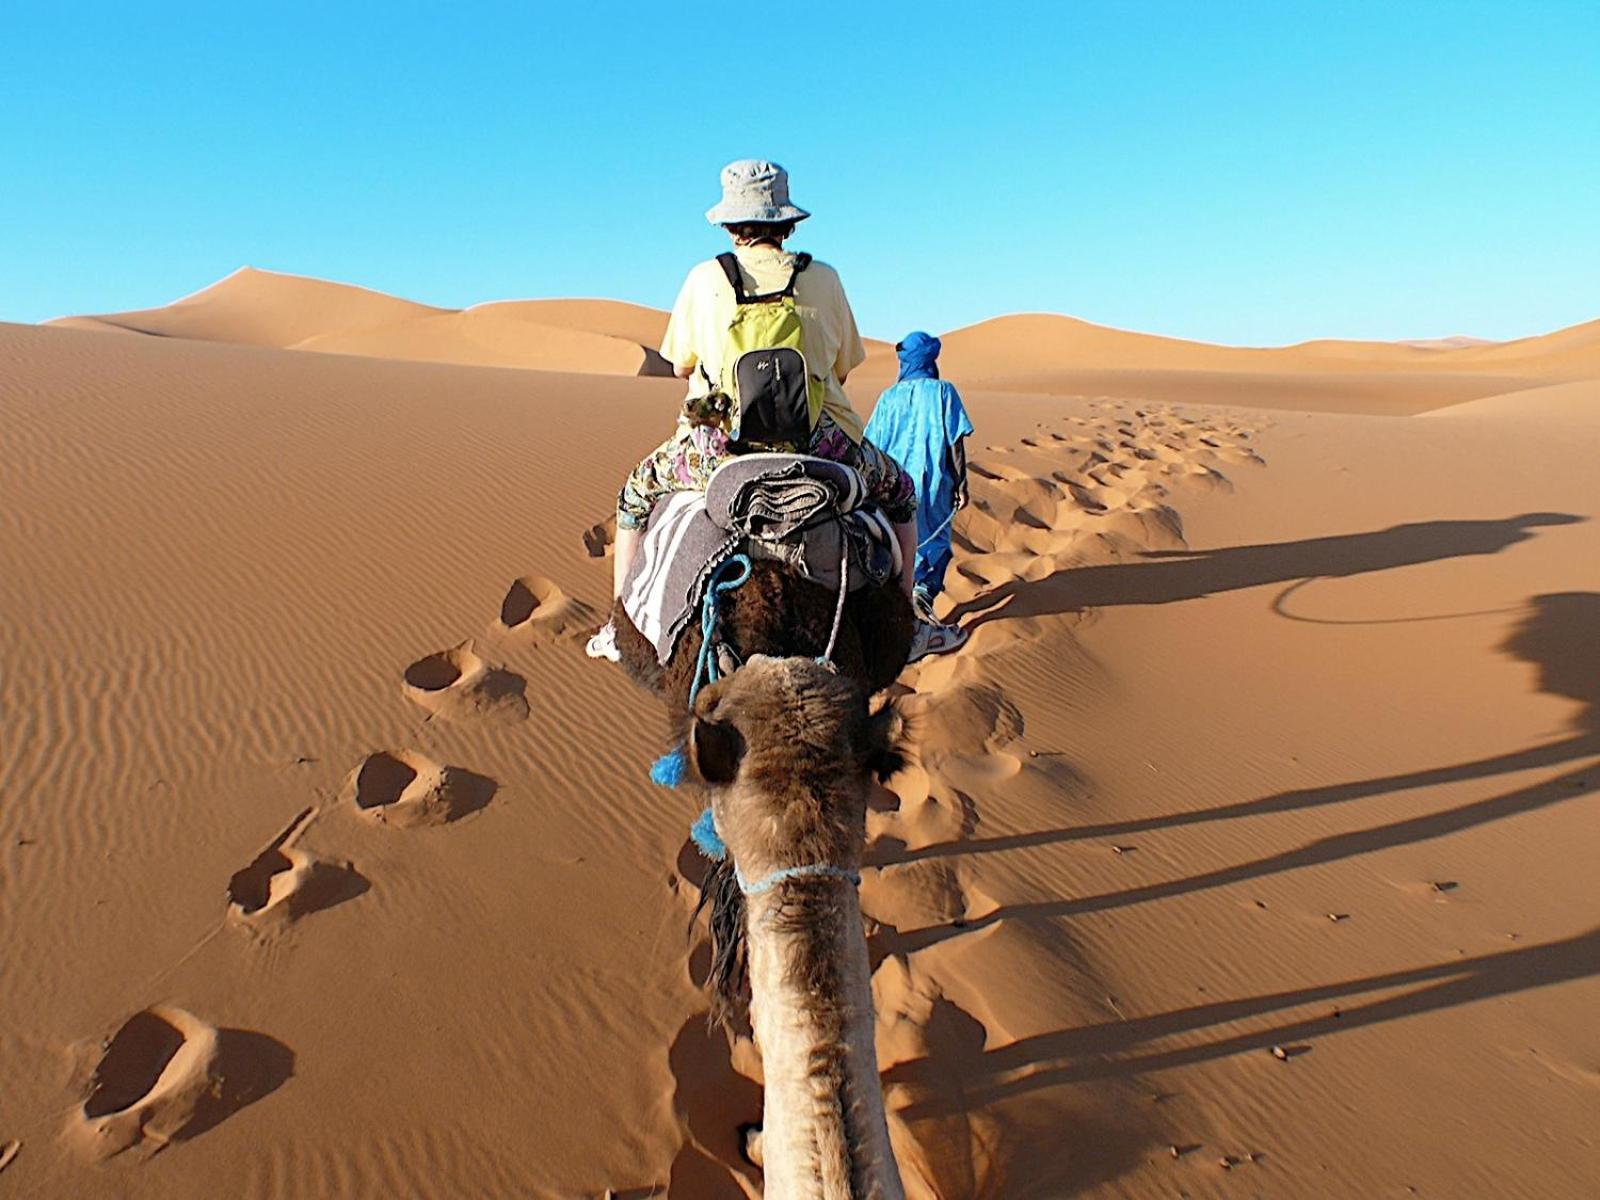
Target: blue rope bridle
668, 770
705, 667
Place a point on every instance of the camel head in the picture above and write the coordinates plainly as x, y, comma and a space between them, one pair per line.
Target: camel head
788, 750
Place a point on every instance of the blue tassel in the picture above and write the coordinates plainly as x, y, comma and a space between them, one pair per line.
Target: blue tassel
706, 838
668, 770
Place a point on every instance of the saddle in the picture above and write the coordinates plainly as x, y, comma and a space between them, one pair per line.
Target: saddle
807, 513
812, 514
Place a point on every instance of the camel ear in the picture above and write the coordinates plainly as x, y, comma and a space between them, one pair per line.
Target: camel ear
715, 748
886, 742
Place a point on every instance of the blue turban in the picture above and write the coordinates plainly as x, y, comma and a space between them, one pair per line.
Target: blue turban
918, 356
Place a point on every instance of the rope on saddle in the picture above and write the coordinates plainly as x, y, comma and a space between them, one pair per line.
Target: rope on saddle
705, 667
838, 606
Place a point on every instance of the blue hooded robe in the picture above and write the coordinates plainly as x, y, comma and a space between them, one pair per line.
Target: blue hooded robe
917, 421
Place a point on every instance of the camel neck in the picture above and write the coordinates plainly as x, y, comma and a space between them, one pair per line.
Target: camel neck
825, 1136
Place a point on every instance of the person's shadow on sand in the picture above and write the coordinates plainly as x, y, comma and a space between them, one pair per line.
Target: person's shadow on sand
1167, 576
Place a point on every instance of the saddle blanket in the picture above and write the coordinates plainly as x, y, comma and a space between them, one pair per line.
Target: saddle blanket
793, 509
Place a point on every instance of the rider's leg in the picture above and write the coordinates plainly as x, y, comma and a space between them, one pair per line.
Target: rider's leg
684, 462
623, 554
649, 481
905, 533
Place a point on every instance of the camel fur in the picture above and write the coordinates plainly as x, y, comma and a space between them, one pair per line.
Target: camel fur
778, 614
788, 750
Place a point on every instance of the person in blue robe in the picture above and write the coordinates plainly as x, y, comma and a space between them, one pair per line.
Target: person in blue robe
921, 422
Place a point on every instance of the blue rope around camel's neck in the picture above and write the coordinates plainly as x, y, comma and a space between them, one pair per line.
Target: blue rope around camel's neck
809, 871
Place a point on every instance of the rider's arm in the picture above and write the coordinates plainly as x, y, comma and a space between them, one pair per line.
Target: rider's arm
678, 342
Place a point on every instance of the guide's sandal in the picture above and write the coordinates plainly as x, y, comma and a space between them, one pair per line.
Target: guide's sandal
936, 639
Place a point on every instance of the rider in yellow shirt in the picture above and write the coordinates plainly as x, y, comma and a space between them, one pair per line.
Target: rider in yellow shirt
758, 216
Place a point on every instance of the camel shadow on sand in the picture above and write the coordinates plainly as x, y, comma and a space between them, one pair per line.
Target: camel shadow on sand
1560, 635
1116, 1049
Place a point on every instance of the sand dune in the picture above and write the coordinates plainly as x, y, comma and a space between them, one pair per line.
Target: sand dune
266, 308
492, 336
1035, 342
1452, 342
1572, 353
1549, 407
1246, 849
611, 318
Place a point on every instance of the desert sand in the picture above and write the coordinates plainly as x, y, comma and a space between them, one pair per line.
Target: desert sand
1249, 848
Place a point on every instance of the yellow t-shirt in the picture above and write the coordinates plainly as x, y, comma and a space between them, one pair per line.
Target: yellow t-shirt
698, 327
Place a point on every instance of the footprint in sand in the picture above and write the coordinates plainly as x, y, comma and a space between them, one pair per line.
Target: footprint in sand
913, 895
166, 1076
964, 729
1079, 496
985, 574
917, 817
930, 1049
536, 610
1027, 517
407, 790
457, 684
284, 883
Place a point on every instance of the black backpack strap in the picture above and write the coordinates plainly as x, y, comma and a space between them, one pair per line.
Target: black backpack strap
730, 267
801, 262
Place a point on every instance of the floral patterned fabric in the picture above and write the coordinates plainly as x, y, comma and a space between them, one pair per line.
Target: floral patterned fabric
685, 463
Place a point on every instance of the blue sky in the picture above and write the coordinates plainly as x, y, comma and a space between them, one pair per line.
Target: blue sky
1249, 173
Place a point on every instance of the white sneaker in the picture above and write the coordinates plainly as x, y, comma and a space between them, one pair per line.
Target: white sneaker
604, 644
932, 638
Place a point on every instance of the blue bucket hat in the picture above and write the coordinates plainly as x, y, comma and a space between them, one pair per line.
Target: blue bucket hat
754, 190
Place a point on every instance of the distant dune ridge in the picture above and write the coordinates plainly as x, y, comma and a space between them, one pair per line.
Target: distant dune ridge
1028, 352
1060, 355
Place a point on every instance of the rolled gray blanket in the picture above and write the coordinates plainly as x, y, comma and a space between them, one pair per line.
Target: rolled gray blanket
772, 497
